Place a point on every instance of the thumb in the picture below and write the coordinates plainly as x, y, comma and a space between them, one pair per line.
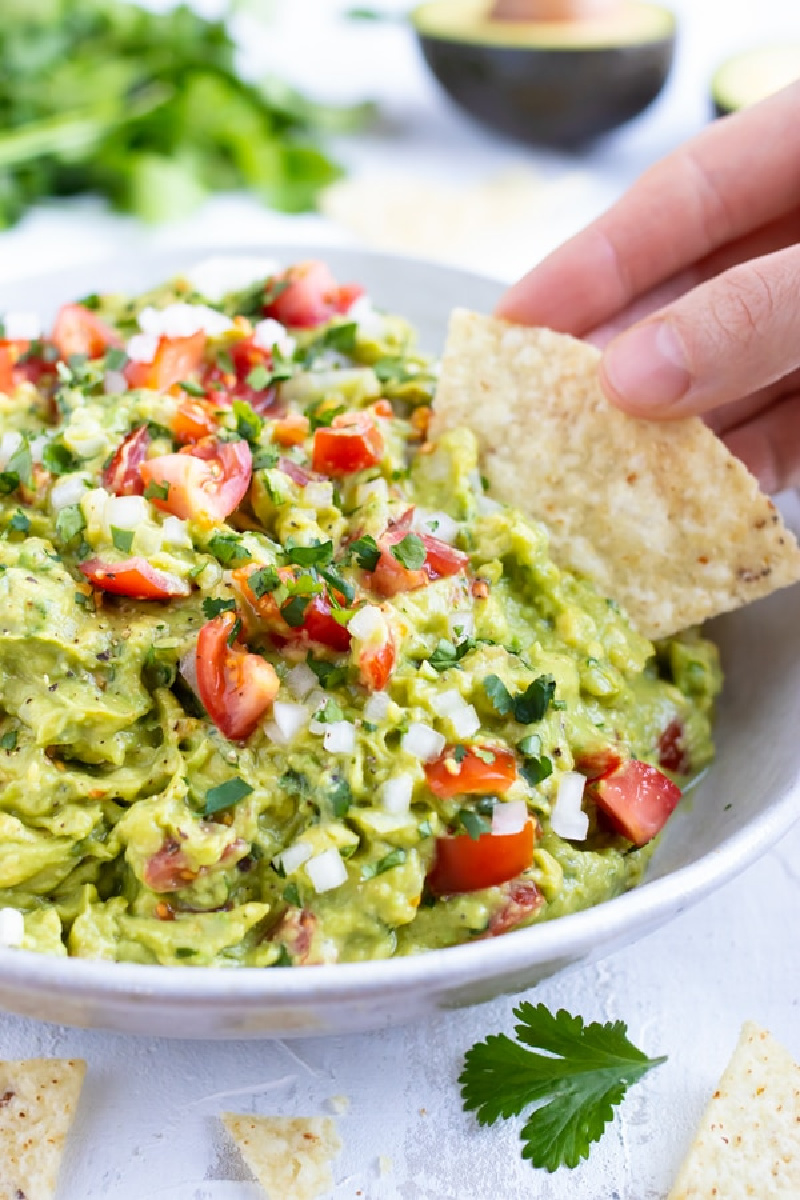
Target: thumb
725, 339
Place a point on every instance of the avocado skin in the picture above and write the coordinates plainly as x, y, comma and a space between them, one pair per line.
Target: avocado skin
546, 97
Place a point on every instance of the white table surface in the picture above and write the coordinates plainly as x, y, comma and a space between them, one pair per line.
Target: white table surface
147, 1123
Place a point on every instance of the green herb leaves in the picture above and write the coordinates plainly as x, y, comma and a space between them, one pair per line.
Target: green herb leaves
410, 552
318, 555
447, 655
226, 794
584, 1073
526, 707
365, 551
262, 581
213, 607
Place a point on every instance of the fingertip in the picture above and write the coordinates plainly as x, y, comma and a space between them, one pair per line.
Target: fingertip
645, 371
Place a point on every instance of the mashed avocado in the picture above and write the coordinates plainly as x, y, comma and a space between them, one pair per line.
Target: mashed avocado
279, 683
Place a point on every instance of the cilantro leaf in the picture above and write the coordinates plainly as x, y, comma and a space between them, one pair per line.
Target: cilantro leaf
329, 674
262, 581
365, 551
228, 550
115, 359
70, 522
584, 1073
213, 607
394, 858
472, 823
410, 552
20, 522
9, 740
294, 611
498, 693
156, 491
532, 704
317, 555
122, 539
448, 655
192, 388
248, 423
226, 794
58, 458
265, 458
536, 768
340, 797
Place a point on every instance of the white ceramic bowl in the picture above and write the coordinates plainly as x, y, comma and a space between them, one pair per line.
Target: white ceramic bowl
748, 799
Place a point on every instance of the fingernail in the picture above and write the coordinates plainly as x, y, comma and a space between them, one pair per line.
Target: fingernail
647, 368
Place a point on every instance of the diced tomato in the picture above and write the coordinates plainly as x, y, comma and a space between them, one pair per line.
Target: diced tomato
291, 430
471, 776
636, 800
16, 366
122, 476
134, 577
77, 330
594, 764
465, 864
673, 754
223, 387
522, 900
193, 420
441, 561
296, 930
352, 443
206, 481
376, 663
175, 359
168, 869
319, 624
236, 687
311, 296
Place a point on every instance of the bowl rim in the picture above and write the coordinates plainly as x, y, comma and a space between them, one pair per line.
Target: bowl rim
567, 937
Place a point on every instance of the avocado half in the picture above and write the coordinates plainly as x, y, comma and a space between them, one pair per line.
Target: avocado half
549, 83
752, 76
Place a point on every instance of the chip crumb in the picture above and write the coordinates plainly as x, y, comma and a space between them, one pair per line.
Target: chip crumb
338, 1104
38, 1099
657, 514
748, 1142
289, 1156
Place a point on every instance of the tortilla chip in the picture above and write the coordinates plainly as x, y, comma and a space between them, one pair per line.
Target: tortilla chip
657, 514
748, 1143
38, 1098
289, 1156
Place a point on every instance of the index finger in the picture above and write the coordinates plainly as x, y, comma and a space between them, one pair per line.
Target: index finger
740, 173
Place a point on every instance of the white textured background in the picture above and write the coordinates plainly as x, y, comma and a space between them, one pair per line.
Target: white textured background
146, 1126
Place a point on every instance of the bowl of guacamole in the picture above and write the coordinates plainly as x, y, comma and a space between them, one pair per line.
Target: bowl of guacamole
284, 686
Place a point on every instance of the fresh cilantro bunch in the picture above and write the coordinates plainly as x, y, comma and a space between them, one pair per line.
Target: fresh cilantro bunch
148, 109
575, 1085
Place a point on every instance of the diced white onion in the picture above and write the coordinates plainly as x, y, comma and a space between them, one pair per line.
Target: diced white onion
422, 742
396, 794
461, 625
376, 708
370, 323
318, 493
125, 512
327, 870
300, 680
115, 383
214, 277
37, 447
568, 820
368, 622
12, 927
486, 505
93, 504
188, 669
142, 347
10, 443
439, 524
453, 707
289, 718
509, 817
377, 489
294, 856
68, 490
339, 737
26, 326
175, 532
268, 334
182, 320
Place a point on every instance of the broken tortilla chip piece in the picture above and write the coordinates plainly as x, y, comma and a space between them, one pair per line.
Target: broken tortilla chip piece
38, 1098
289, 1156
657, 514
748, 1143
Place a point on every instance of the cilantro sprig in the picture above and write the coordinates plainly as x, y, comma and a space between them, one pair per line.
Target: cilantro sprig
527, 706
575, 1085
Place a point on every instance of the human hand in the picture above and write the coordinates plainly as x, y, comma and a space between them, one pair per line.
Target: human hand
699, 265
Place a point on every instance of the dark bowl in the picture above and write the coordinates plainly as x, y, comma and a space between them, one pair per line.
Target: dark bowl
554, 89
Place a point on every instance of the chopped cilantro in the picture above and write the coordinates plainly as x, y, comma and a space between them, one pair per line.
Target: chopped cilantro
528, 706
317, 555
122, 539
262, 581
530, 746
248, 423
472, 823
329, 674
341, 337
459, 753
185, 952
58, 458
236, 629
275, 286
498, 694
585, 1071
191, 388
339, 584
394, 858
410, 552
447, 655
9, 740
20, 522
295, 783
225, 795
228, 550
115, 359
340, 797
265, 458
291, 895
536, 768
284, 958
156, 491
330, 713
259, 378
365, 551
212, 607
293, 611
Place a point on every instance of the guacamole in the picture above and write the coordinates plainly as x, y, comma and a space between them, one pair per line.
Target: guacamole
280, 684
